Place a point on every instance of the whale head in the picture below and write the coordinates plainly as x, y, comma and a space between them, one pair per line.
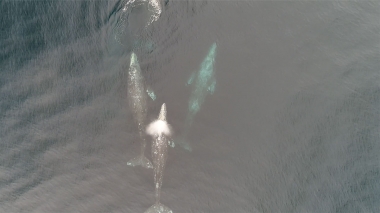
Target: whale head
162, 115
133, 59
159, 126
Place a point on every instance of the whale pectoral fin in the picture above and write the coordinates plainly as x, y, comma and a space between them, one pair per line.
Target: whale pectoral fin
185, 145
171, 143
191, 79
151, 93
211, 88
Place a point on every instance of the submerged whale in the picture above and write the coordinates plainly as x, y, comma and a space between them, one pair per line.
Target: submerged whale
133, 17
154, 6
137, 99
160, 131
203, 83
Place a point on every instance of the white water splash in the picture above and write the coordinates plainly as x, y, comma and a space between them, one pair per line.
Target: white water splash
158, 127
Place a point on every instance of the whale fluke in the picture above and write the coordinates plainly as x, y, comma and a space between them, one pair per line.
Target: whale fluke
159, 208
140, 161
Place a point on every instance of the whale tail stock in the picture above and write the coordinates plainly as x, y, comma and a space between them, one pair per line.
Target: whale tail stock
140, 161
159, 208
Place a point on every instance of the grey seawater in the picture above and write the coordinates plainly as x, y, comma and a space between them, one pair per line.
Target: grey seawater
293, 124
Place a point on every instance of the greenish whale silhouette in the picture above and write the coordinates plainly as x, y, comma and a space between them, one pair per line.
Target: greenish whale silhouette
203, 83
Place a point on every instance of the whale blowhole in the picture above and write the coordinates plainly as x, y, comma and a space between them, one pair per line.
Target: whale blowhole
158, 127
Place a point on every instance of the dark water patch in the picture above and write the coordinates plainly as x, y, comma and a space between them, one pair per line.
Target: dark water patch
28, 183
41, 112
326, 152
77, 96
364, 194
116, 9
177, 20
20, 93
22, 31
71, 64
10, 152
33, 26
74, 20
83, 27
23, 158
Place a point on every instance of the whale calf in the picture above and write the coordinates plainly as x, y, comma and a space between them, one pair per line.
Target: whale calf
160, 132
203, 83
137, 99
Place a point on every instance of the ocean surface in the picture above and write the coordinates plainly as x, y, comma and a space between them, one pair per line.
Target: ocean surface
292, 124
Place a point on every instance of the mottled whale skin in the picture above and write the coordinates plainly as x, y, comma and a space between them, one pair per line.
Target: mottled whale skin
137, 99
203, 83
160, 131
